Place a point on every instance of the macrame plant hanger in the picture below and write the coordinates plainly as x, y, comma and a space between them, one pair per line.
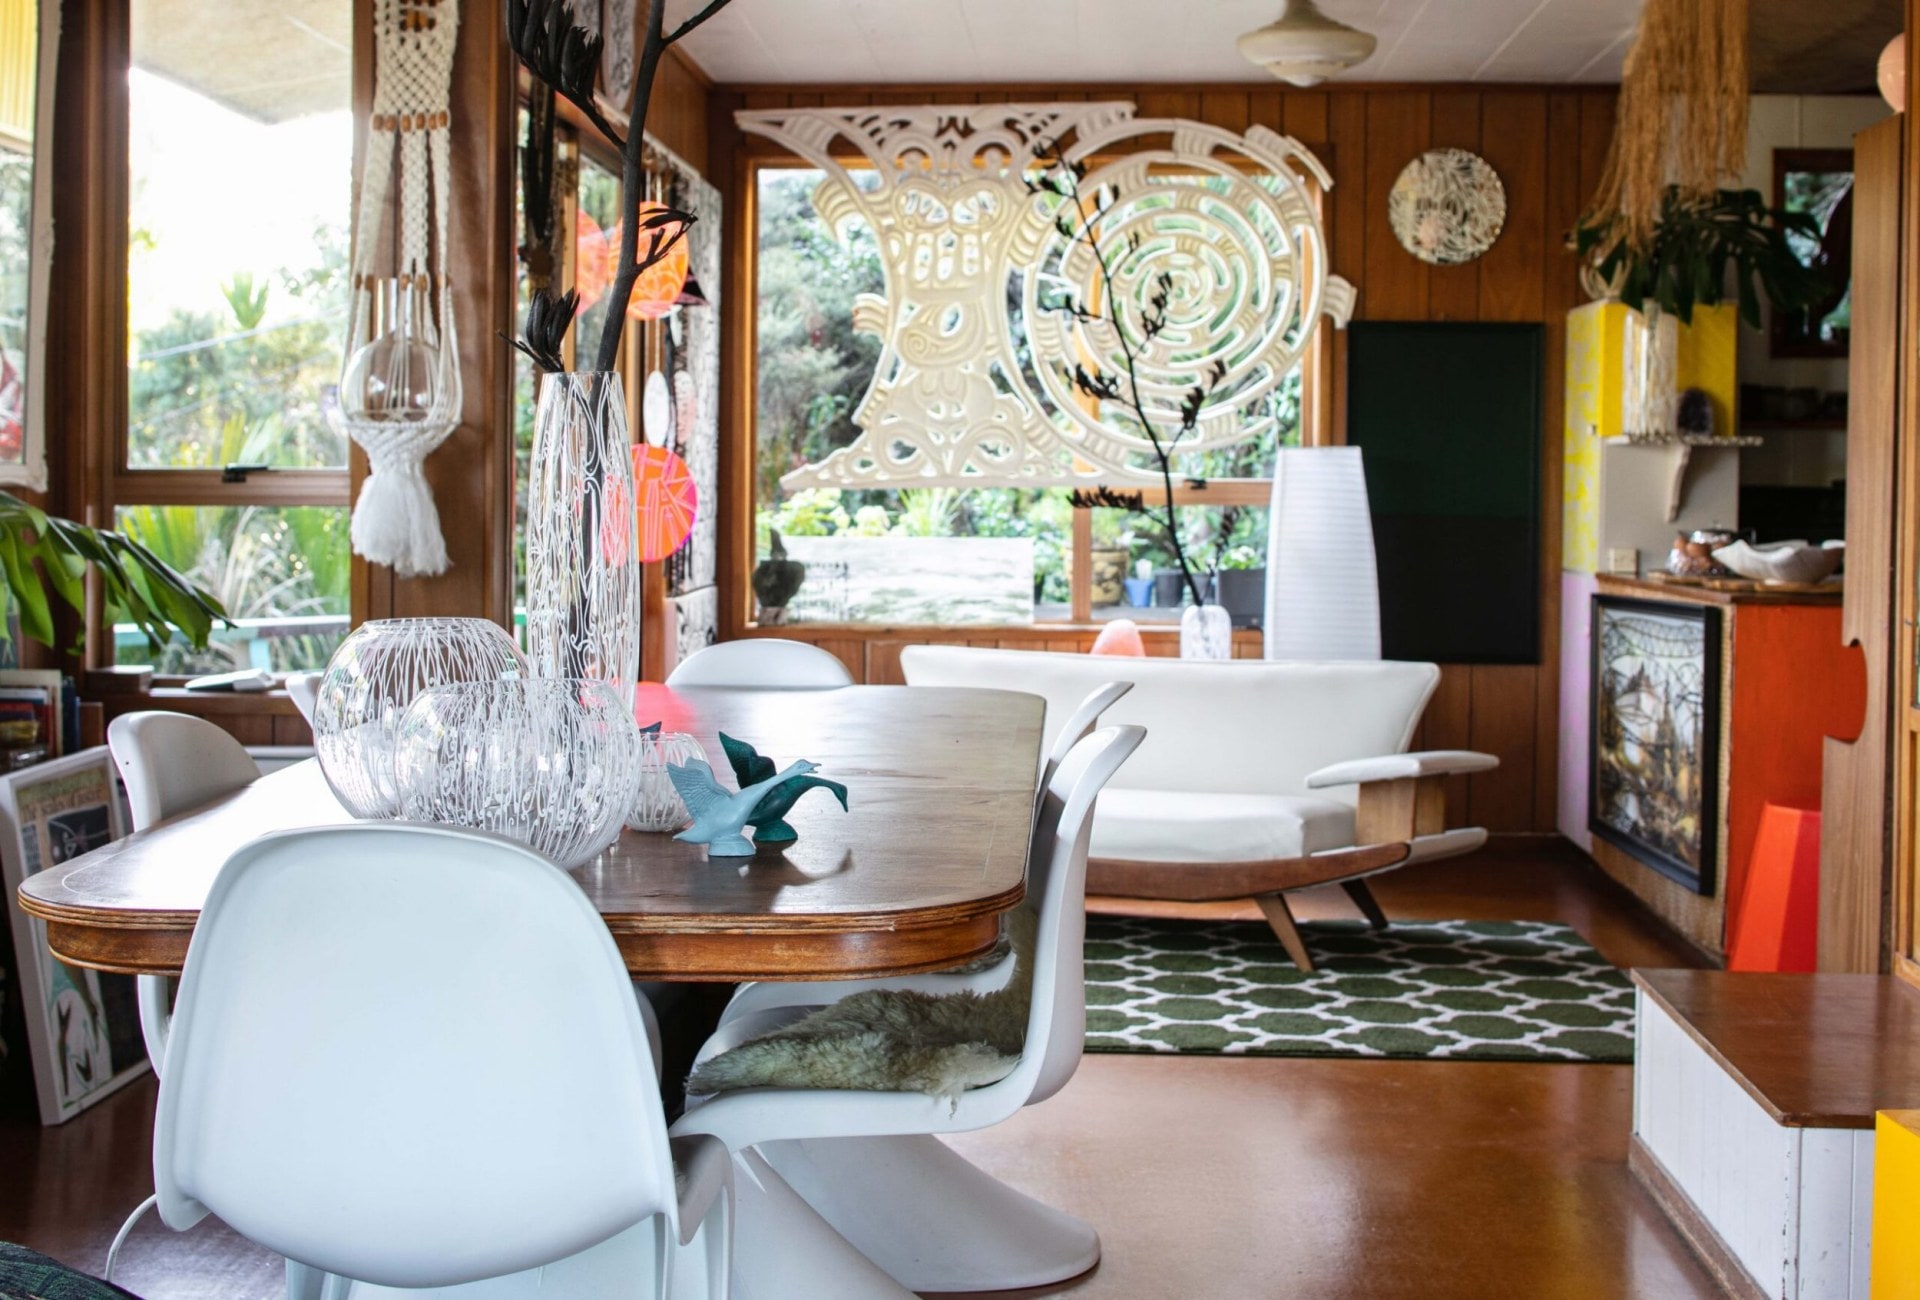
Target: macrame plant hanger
400, 393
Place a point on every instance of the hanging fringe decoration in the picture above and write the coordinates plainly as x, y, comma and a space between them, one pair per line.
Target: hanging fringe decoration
1682, 116
400, 392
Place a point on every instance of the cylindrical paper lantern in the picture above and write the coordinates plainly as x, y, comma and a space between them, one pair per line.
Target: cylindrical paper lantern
667, 501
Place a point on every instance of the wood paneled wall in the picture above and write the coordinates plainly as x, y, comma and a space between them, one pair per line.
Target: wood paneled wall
1547, 144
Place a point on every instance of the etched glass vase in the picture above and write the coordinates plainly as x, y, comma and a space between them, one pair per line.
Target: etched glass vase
378, 671
1206, 631
657, 806
583, 553
551, 764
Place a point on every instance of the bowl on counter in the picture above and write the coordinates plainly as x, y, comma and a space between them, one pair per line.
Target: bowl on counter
1782, 561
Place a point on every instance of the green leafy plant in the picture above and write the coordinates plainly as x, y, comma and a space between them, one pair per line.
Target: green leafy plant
150, 592
1697, 247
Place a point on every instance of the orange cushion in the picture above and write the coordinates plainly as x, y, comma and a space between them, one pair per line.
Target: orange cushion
1120, 637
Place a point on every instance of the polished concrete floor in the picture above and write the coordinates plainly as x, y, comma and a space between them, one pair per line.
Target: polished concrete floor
1207, 1177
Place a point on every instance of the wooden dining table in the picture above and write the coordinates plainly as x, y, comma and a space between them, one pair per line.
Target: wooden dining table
914, 875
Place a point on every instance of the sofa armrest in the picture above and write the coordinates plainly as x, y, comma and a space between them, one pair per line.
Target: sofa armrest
1402, 796
1400, 767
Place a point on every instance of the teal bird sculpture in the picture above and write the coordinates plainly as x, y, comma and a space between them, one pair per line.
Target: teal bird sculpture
718, 813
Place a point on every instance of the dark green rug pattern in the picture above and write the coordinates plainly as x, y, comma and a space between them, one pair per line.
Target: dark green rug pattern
1454, 990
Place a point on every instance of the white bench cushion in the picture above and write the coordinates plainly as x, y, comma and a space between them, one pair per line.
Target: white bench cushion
1182, 826
1242, 727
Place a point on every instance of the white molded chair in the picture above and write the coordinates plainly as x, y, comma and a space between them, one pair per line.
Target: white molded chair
762, 661
172, 763
304, 690
820, 1169
407, 1056
765, 995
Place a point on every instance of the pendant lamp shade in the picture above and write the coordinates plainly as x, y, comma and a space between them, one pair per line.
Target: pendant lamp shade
1304, 46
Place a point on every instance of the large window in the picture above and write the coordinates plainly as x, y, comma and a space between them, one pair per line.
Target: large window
239, 146
943, 555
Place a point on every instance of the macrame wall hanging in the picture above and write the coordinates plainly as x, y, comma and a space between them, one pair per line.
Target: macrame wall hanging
974, 383
400, 387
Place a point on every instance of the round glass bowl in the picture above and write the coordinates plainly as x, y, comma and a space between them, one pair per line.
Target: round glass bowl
550, 763
378, 671
657, 806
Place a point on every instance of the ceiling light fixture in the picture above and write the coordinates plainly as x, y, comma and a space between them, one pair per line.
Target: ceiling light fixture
1304, 46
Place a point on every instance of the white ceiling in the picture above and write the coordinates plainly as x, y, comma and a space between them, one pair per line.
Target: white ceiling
1061, 41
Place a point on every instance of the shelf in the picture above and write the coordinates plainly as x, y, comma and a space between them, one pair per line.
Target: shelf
1683, 440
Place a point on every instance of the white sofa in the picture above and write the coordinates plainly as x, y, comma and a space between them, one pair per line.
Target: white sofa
1256, 777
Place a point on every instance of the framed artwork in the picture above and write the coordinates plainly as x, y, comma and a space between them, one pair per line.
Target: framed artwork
1656, 735
26, 243
1818, 182
83, 1028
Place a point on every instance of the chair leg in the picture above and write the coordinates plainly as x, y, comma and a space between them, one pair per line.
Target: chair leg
1280, 917
1364, 900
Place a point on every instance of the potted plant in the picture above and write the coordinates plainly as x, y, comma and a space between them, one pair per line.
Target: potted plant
1240, 582
1699, 250
135, 581
1695, 244
776, 580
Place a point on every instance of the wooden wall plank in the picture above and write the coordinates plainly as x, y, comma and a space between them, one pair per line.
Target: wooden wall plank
1501, 722
1513, 138
1453, 292
1228, 109
1169, 103
1304, 114
1448, 724
1397, 133
1346, 227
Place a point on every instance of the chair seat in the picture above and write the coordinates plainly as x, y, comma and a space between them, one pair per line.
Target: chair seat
1177, 826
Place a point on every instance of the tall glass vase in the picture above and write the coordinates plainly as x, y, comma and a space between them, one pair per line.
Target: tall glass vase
583, 553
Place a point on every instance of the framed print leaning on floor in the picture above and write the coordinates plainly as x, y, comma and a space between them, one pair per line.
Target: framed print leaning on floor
83, 1028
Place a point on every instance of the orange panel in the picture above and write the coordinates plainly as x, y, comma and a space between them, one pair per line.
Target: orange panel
1793, 683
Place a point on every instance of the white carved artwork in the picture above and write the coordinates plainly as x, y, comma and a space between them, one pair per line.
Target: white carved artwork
973, 386
1447, 206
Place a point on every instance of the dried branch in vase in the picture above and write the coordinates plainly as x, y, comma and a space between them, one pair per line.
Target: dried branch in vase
564, 56
549, 317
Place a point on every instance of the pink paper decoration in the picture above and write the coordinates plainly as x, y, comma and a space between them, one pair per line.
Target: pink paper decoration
667, 501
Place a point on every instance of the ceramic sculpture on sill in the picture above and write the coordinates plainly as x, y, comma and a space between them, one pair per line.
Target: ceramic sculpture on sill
720, 814
768, 817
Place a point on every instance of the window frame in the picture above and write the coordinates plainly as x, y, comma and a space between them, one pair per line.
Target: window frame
737, 488
98, 47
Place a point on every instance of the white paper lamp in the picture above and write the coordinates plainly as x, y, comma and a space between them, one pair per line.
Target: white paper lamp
1323, 587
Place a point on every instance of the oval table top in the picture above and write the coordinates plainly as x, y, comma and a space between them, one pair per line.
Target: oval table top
914, 876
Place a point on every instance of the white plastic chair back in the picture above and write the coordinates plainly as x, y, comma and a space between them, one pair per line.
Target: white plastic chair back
173, 763
1057, 881
408, 1055
1079, 725
304, 690
762, 661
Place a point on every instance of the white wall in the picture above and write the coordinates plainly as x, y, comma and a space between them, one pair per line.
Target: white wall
1797, 122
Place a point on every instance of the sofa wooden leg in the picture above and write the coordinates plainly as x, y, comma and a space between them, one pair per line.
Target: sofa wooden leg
1280, 917
1364, 900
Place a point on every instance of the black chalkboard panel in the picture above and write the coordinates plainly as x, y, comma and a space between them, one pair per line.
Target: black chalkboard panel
1449, 419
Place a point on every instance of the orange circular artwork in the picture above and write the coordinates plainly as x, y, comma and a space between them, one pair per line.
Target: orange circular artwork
658, 287
668, 501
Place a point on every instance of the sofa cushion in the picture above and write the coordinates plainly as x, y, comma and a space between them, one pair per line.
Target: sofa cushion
1240, 727
1181, 826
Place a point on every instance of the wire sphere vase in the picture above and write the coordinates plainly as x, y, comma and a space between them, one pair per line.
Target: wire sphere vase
550, 763
378, 671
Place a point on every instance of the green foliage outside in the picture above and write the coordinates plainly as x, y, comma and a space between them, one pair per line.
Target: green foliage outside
249, 386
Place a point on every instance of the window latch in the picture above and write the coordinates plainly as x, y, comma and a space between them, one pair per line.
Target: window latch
238, 473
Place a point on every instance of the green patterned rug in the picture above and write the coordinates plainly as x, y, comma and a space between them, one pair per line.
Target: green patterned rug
1454, 990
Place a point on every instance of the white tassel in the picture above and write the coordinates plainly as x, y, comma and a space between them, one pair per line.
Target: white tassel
395, 522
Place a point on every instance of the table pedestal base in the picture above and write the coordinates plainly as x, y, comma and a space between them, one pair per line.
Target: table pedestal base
930, 1218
